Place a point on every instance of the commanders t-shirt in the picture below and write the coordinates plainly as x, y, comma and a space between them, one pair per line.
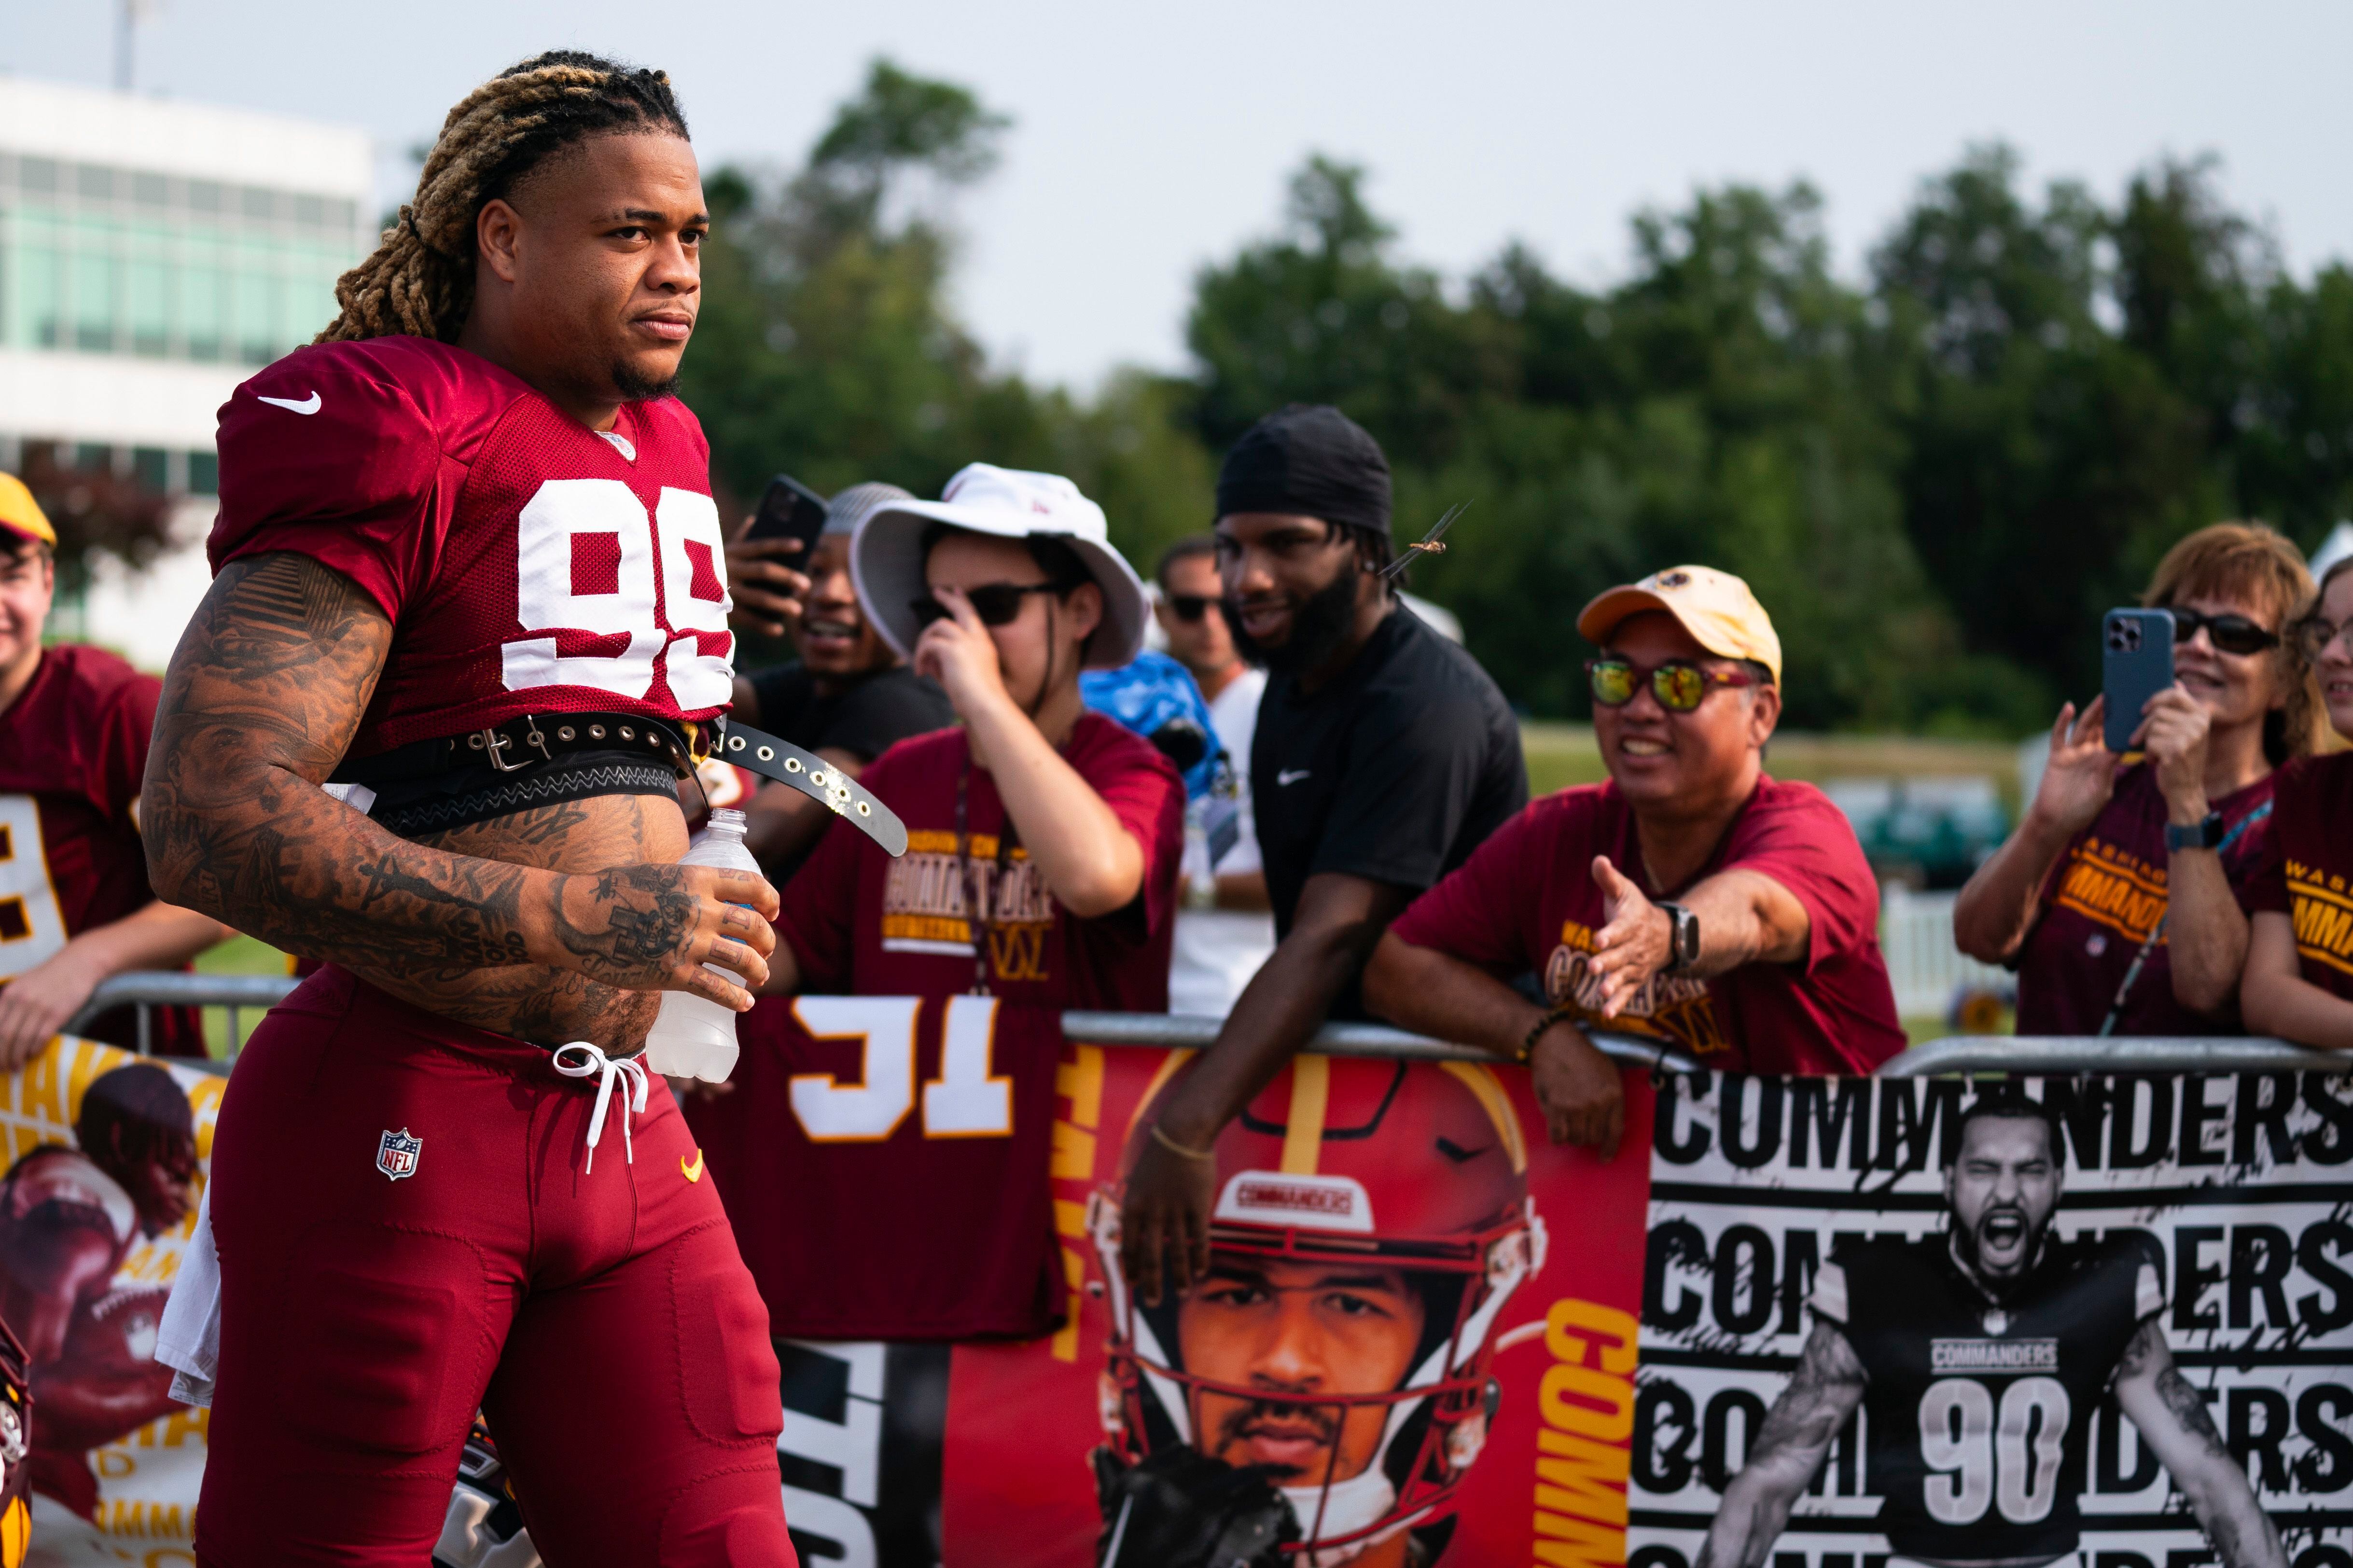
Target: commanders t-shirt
2309, 877
1526, 899
73, 752
1395, 771
2102, 900
866, 719
912, 1109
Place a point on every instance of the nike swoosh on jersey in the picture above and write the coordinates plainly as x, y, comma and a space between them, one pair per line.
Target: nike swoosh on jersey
691, 1172
295, 405
1291, 776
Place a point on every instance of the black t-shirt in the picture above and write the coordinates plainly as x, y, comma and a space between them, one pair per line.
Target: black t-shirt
866, 720
1395, 771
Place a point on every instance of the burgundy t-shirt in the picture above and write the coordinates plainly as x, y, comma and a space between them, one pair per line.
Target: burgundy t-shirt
911, 1110
2104, 897
73, 752
859, 922
2310, 879
1526, 900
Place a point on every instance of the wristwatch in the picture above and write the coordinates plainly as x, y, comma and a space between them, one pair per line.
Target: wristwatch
2206, 835
1683, 938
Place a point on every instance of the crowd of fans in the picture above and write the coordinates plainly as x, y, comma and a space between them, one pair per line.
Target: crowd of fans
1368, 850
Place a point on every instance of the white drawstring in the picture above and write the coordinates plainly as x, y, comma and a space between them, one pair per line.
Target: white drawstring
604, 1069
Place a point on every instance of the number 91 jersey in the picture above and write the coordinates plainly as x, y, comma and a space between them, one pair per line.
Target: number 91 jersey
529, 564
1978, 1414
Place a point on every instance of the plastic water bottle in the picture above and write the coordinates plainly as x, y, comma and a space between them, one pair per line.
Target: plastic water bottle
694, 1036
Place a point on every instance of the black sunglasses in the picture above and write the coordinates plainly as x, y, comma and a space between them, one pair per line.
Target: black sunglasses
1189, 607
997, 604
2230, 633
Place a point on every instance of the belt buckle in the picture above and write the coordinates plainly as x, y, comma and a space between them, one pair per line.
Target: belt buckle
494, 743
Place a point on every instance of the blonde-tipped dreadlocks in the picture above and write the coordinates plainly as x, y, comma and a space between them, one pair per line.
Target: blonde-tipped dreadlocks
420, 280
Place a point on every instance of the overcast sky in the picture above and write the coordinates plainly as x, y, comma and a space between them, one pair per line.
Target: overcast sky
1149, 141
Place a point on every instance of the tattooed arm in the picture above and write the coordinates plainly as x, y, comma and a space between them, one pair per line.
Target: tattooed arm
261, 700
2172, 1420
1795, 1439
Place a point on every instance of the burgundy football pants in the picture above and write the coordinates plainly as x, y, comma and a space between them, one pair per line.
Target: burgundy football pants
603, 1319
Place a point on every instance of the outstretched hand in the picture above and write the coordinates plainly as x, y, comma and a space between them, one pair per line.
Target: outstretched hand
1634, 942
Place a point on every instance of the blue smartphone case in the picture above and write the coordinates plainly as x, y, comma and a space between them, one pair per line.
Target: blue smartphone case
2136, 664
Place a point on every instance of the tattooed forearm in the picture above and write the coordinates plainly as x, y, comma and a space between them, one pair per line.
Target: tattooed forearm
261, 702
1795, 1438
2173, 1421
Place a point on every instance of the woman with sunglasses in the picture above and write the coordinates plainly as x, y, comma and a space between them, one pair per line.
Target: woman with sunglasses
2299, 978
2118, 900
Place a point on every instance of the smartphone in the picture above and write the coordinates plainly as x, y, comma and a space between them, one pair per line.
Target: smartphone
2136, 665
789, 509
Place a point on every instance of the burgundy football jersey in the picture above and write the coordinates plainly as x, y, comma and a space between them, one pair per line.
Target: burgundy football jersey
884, 1163
529, 564
73, 749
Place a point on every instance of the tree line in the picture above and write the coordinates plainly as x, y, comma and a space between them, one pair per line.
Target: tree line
1936, 477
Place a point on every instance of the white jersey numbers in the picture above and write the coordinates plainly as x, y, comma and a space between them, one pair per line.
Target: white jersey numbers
964, 1101
32, 929
587, 561
1979, 1455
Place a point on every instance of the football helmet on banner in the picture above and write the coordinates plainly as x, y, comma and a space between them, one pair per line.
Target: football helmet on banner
1372, 1222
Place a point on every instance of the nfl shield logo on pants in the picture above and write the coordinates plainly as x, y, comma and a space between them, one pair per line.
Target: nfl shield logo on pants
395, 1154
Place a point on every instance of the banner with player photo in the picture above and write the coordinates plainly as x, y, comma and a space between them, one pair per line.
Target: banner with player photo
2108, 1319
107, 1155
1420, 1320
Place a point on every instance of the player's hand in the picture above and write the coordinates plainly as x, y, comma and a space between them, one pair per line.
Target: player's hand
958, 652
1164, 1217
2173, 730
768, 594
653, 928
1634, 942
38, 1003
1581, 1090
2081, 776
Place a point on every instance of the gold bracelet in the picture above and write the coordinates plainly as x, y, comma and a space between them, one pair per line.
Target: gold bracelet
1173, 1147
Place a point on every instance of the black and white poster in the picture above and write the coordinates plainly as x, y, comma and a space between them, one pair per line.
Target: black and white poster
2006, 1322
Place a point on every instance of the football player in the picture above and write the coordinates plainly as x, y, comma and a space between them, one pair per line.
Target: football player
1325, 1385
468, 564
68, 1218
1980, 1357
75, 905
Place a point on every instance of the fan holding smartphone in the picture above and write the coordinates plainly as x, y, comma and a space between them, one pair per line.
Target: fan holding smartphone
2116, 898
847, 696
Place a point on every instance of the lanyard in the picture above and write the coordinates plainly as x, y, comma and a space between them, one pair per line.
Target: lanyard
978, 918
2117, 1008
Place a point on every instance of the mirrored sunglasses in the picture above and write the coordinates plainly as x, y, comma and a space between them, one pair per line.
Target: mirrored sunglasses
1679, 684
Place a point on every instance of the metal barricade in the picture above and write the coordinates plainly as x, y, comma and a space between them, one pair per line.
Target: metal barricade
237, 993
146, 990
1956, 1054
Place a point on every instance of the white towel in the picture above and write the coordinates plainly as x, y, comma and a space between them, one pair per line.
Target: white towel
188, 1340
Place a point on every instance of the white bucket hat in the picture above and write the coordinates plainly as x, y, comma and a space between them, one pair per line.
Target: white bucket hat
1010, 503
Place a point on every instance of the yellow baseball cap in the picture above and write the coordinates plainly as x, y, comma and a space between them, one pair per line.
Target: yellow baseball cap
21, 514
1717, 608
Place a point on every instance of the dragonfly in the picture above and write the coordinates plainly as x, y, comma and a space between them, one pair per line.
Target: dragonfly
1428, 543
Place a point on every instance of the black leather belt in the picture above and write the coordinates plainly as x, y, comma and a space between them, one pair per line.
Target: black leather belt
527, 742
538, 739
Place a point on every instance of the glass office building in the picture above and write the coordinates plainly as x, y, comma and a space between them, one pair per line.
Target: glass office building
152, 253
